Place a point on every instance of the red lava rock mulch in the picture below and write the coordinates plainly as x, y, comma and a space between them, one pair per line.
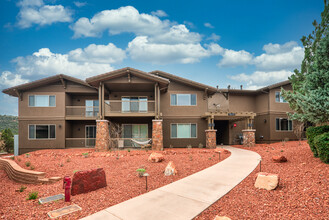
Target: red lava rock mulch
303, 191
122, 180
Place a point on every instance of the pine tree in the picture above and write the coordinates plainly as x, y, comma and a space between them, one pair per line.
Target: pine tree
310, 96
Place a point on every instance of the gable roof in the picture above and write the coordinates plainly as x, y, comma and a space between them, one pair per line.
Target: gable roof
95, 80
210, 89
14, 91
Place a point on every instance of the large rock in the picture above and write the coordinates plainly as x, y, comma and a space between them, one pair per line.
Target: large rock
170, 169
87, 181
221, 218
268, 181
279, 159
155, 157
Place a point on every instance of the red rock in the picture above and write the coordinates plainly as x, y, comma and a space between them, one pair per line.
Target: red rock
279, 159
217, 217
87, 181
156, 157
268, 181
221, 150
170, 169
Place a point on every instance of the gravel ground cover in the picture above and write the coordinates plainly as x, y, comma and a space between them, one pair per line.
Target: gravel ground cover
303, 191
120, 168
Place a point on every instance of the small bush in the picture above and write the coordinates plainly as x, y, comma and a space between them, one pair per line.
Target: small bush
128, 150
22, 188
27, 155
141, 171
322, 145
12, 157
200, 145
19, 159
27, 163
33, 195
68, 160
32, 167
74, 171
311, 133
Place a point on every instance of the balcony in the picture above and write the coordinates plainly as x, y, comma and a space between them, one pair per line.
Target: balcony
82, 112
130, 108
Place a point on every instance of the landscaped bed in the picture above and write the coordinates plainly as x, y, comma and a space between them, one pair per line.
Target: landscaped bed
303, 191
122, 180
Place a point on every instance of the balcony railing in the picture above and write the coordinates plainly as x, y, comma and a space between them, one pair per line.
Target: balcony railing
82, 111
119, 107
80, 142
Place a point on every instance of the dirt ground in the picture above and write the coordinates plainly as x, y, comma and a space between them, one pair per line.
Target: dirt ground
303, 191
122, 180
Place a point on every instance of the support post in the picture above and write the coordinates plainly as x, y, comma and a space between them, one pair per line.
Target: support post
155, 101
100, 101
102, 135
249, 137
211, 138
157, 135
103, 101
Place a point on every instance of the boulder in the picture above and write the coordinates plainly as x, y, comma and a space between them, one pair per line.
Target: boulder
221, 218
155, 157
268, 181
88, 180
170, 169
279, 159
221, 150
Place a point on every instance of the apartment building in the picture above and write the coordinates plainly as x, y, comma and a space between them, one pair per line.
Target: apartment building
64, 112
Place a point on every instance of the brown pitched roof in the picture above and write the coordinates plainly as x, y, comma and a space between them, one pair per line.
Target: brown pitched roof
210, 89
13, 91
95, 80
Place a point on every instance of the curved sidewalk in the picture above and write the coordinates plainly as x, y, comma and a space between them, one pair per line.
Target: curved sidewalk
187, 197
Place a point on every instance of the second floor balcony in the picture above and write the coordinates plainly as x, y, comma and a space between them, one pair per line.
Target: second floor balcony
133, 106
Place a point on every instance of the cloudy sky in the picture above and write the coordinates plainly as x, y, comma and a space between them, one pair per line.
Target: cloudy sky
250, 43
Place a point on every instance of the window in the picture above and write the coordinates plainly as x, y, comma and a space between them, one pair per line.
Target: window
283, 124
92, 108
183, 99
42, 132
279, 98
134, 104
42, 101
183, 131
134, 131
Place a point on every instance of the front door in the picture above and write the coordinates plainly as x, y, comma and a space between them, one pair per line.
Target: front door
90, 136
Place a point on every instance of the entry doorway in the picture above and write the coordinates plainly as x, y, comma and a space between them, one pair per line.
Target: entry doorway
90, 136
222, 133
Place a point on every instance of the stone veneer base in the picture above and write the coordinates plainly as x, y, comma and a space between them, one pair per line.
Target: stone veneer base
249, 137
157, 135
102, 135
211, 138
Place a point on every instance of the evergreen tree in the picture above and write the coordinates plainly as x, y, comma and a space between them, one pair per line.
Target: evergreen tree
310, 96
8, 139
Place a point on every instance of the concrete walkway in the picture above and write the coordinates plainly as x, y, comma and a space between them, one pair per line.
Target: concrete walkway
188, 197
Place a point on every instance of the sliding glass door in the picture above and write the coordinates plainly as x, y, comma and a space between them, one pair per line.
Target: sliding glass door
134, 104
134, 131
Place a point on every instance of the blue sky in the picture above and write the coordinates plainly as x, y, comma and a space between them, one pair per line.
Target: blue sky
250, 43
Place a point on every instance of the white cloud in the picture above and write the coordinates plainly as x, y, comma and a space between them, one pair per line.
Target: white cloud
116, 21
80, 4
189, 24
177, 34
9, 79
44, 62
98, 54
208, 25
141, 49
277, 48
279, 58
214, 37
36, 12
159, 13
233, 58
260, 79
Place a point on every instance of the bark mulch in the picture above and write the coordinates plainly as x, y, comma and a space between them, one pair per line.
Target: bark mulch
122, 180
303, 191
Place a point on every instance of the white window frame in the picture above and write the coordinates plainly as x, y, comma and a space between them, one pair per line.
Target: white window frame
196, 99
281, 98
292, 125
42, 106
35, 132
196, 130
93, 106
139, 111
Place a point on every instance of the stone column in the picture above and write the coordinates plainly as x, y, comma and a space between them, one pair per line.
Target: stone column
211, 138
157, 135
102, 135
249, 137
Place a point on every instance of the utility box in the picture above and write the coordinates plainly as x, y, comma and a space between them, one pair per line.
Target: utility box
16, 145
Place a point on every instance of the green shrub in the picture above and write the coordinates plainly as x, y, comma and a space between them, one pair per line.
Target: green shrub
322, 144
33, 195
311, 133
22, 188
27, 163
8, 138
32, 167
